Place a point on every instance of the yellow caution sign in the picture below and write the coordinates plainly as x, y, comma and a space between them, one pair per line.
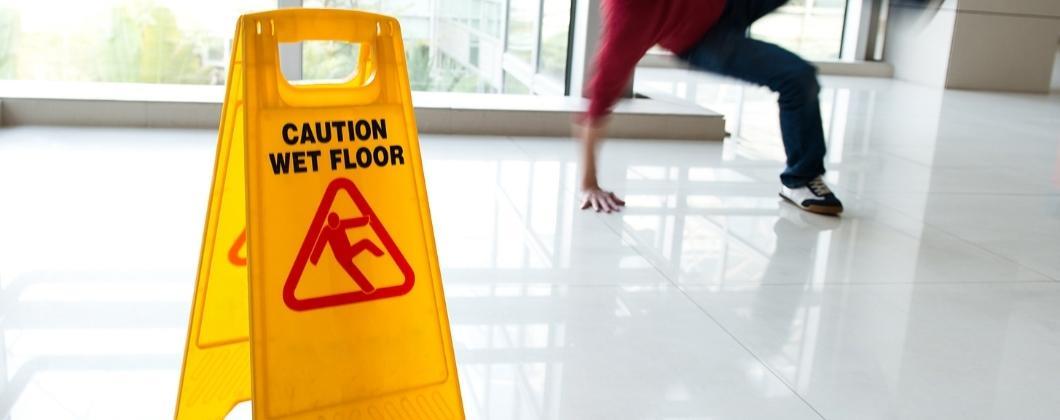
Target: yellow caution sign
318, 213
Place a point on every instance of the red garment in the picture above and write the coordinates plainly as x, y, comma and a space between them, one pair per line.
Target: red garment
631, 27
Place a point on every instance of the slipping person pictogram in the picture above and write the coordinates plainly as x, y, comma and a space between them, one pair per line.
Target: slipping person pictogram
334, 236
328, 229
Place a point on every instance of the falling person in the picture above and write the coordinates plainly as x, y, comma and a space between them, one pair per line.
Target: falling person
709, 35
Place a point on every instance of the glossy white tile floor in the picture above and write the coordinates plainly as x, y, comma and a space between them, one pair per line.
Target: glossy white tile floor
935, 297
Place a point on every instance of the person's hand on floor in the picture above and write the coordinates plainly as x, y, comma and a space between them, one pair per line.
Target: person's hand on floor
600, 200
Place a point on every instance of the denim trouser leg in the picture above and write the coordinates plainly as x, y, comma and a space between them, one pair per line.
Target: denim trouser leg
728, 51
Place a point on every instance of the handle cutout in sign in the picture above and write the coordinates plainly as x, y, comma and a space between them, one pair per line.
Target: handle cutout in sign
329, 230
322, 62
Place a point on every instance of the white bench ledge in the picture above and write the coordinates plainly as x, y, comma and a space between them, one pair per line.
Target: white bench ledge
196, 106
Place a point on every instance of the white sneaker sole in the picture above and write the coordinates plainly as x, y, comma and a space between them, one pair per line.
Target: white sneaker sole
832, 211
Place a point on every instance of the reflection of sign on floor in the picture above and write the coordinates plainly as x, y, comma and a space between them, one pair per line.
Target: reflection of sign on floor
329, 230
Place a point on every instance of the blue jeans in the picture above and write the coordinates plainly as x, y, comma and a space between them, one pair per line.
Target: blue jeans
726, 49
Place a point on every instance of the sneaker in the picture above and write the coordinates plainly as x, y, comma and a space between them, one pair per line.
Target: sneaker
814, 197
795, 219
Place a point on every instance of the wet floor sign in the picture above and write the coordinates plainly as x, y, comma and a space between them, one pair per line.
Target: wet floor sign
318, 293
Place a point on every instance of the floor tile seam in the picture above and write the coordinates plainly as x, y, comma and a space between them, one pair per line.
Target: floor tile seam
834, 285
722, 327
956, 193
535, 243
896, 156
959, 238
652, 283
538, 248
976, 245
944, 166
690, 285
619, 235
955, 167
711, 219
514, 143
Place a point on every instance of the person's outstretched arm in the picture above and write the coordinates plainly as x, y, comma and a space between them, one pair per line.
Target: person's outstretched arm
622, 44
592, 195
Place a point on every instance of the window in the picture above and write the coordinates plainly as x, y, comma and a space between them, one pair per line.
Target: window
812, 28
138, 41
450, 45
485, 46
536, 50
555, 32
522, 26
514, 86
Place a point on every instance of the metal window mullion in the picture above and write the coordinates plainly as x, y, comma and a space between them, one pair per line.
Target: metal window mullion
860, 30
504, 41
570, 47
873, 30
504, 24
535, 58
586, 34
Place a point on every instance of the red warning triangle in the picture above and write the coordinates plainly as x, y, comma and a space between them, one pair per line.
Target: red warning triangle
328, 230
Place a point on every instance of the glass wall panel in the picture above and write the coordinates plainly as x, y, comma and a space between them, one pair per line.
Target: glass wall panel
522, 28
812, 28
555, 30
512, 85
450, 45
459, 45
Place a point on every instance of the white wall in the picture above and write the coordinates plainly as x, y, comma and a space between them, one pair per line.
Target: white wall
918, 43
1003, 52
1023, 7
977, 44
1004, 45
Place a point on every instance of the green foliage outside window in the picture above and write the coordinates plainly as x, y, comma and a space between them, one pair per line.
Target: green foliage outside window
146, 46
141, 43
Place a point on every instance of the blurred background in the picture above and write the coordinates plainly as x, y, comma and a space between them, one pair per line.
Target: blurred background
485, 46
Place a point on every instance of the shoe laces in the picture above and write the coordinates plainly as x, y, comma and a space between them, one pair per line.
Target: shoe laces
818, 187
